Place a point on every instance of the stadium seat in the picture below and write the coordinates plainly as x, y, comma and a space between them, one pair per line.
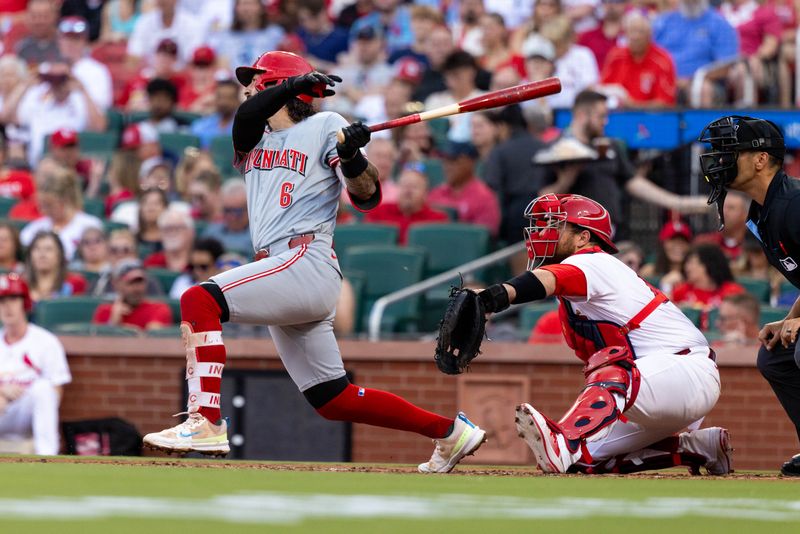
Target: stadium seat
90, 329
354, 235
388, 269
770, 314
164, 277
91, 277
530, 314
434, 170
98, 144
758, 288
6, 204
222, 152
168, 331
449, 245
110, 226
178, 142
94, 206
694, 314
115, 122
439, 128
51, 313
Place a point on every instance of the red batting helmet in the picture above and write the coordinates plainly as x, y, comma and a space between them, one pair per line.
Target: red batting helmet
272, 68
549, 214
13, 285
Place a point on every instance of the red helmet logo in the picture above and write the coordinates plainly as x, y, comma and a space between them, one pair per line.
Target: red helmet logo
272, 68
548, 216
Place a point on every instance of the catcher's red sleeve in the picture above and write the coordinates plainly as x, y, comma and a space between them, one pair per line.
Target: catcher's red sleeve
570, 281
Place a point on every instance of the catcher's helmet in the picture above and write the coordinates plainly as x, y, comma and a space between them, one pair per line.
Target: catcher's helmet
272, 68
13, 285
728, 136
549, 214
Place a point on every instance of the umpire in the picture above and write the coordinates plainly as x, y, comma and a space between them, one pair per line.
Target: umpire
747, 155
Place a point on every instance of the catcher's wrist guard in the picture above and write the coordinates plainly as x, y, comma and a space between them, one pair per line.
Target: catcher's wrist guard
494, 298
528, 288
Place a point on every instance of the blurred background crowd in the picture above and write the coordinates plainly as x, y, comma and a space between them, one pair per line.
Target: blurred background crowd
117, 190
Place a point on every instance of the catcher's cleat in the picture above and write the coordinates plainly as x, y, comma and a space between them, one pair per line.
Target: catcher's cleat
713, 444
791, 468
464, 440
196, 434
548, 444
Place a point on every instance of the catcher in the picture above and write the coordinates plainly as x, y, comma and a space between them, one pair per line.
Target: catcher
649, 372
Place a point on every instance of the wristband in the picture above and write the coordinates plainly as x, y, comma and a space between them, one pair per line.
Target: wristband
355, 166
494, 298
528, 287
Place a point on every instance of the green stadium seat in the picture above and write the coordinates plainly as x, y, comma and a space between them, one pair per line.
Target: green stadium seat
439, 128
89, 329
110, 226
758, 288
532, 313
91, 277
168, 331
654, 280
354, 235
221, 149
164, 277
187, 117
388, 269
98, 144
770, 314
449, 245
694, 314
434, 170
50, 313
178, 142
115, 121
6, 204
95, 206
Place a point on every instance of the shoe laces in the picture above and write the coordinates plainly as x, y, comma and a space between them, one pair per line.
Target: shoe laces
193, 421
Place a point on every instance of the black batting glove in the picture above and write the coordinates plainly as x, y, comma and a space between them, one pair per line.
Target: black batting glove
313, 84
355, 136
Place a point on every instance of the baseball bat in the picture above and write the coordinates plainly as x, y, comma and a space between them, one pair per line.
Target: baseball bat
494, 99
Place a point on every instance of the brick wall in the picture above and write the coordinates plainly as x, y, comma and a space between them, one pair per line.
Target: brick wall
139, 380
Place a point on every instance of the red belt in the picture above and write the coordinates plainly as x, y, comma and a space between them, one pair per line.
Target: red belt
294, 242
711, 354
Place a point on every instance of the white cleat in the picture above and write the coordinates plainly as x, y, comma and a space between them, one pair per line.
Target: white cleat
196, 434
464, 440
713, 444
549, 447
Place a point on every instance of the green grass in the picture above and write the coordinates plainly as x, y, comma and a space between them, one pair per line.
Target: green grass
162, 498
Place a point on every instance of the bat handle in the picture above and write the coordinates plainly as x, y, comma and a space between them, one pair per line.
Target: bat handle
340, 136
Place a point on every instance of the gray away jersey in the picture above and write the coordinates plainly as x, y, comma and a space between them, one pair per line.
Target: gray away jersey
292, 187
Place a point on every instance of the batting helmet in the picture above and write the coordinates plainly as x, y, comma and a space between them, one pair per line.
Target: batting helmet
272, 68
13, 285
549, 214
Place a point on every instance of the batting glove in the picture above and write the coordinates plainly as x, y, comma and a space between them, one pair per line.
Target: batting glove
313, 84
355, 136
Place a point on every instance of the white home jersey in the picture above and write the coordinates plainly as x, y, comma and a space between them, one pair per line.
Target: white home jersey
39, 354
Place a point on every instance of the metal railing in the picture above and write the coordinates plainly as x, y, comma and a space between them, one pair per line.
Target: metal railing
700, 75
378, 309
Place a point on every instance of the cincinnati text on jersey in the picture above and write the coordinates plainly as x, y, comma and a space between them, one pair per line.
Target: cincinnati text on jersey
266, 159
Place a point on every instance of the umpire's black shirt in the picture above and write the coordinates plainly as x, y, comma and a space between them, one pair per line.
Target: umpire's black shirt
776, 224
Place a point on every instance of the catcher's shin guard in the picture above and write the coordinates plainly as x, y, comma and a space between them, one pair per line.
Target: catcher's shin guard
201, 331
609, 371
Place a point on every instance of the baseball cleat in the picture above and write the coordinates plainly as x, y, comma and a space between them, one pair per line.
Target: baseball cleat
196, 434
548, 445
791, 468
464, 440
713, 444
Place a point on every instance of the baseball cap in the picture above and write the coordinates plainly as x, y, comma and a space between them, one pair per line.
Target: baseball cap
408, 70
454, 149
673, 229
149, 164
370, 32
762, 135
64, 137
167, 46
203, 56
538, 46
128, 270
73, 26
139, 134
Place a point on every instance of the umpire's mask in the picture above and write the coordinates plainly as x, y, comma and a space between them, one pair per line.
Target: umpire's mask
728, 136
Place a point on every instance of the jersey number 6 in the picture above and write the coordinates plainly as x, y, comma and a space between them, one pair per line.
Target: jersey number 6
286, 194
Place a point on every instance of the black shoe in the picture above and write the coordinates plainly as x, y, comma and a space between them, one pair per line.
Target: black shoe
792, 467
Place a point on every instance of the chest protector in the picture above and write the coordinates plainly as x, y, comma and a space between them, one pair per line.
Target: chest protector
587, 336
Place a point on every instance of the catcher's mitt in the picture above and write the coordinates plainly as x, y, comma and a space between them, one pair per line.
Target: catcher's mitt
460, 331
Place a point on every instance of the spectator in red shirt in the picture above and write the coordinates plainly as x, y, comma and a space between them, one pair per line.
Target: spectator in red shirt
608, 33
177, 236
198, 94
547, 329
164, 65
46, 269
708, 279
462, 190
130, 307
412, 203
644, 70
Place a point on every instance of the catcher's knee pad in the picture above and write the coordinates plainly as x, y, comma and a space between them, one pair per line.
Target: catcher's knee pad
608, 371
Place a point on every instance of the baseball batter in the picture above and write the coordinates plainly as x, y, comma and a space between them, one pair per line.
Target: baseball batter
294, 169
33, 370
649, 372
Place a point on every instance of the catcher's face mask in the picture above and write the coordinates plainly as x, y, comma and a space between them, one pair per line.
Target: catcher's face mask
547, 220
728, 136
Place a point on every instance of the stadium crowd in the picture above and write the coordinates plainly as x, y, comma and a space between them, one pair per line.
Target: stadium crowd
117, 181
